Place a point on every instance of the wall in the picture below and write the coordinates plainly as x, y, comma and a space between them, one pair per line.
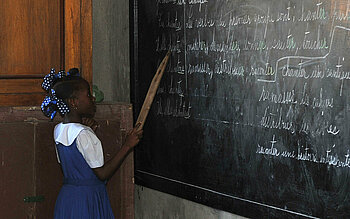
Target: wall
111, 49
111, 72
151, 204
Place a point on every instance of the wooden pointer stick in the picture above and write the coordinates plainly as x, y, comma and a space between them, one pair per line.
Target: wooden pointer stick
152, 91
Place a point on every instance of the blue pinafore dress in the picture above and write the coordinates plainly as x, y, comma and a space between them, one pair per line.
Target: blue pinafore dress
83, 195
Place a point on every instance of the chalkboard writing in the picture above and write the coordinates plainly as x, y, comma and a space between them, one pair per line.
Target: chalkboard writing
251, 115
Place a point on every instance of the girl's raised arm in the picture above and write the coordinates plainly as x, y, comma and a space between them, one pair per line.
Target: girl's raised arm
110, 167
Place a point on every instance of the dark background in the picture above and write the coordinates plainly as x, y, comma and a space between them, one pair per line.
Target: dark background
203, 132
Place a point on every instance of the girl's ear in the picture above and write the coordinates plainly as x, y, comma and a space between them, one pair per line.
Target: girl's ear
72, 103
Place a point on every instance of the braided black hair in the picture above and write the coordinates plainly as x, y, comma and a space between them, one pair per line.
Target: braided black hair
66, 87
60, 87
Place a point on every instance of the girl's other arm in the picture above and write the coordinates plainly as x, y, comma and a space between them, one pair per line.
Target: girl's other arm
109, 168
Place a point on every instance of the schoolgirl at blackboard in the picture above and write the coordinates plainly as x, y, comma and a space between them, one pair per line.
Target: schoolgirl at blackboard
79, 151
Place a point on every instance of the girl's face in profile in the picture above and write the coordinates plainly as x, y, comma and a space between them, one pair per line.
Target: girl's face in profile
87, 106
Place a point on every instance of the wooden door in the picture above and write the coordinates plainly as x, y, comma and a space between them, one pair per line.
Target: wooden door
37, 35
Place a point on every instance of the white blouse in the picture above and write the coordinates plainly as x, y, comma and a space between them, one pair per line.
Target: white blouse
87, 142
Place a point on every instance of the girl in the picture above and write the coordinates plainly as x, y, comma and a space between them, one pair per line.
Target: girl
79, 151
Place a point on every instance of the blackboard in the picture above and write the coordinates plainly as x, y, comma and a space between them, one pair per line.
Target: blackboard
252, 114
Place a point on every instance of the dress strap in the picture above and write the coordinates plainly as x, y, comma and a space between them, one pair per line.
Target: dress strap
82, 182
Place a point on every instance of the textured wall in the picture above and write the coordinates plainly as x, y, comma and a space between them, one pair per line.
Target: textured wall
151, 204
111, 49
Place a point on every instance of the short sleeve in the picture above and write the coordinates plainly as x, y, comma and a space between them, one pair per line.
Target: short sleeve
91, 148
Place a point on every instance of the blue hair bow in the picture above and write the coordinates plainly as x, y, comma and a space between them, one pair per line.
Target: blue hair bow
51, 103
51, 78
48, 107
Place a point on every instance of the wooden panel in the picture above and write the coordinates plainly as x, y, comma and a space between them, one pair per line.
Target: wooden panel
72, 34
21, 99
20, 154
110, 136
120, 187
48, 172
24, 113
30, 37
17, 175
78, 36
30, 44
20, 86
115, 120
37, 35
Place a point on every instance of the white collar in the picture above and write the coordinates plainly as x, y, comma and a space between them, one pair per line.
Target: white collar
67, 133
